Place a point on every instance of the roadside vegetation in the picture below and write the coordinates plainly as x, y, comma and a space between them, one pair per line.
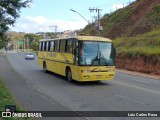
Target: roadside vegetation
7, 99
146, 46
22, 41
9, 12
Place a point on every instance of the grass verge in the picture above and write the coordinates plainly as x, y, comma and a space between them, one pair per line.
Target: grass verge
145, 46
7, 99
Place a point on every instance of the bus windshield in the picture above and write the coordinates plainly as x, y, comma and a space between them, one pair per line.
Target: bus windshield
96, 53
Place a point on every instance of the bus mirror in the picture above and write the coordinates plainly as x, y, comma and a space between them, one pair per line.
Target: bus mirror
114, 50
75, 51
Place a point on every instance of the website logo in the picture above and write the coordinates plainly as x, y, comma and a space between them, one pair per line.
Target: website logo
9, 109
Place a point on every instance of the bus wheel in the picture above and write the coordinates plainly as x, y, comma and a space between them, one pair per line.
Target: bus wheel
45, 67
69, 75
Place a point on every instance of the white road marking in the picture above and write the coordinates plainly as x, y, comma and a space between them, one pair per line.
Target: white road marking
141, 88
130, 99
142, 81
156, 77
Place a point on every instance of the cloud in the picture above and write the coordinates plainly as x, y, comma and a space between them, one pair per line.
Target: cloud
37, 19
30, 24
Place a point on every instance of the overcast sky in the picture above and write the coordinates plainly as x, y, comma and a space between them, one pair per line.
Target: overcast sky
46, 13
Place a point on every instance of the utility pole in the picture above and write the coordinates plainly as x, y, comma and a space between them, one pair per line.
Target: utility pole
27, 43
85, 19
46, 31
55, 33
24, 47
99, 27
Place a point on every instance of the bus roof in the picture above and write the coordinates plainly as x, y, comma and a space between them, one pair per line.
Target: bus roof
87, 38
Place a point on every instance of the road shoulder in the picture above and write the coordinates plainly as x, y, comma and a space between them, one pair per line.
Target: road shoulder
22, 91
156, 77
26, 95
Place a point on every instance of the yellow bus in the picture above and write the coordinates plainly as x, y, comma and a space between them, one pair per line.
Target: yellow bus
80, 58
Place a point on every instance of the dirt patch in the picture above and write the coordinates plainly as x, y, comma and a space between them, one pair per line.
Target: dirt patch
139, 65
135, 23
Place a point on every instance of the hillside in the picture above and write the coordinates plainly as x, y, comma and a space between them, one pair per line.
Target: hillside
135, 31
139, 53
139, 17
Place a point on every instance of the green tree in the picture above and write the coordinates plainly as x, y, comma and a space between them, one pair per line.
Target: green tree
50, 34
14, 38
9, 12
32, 41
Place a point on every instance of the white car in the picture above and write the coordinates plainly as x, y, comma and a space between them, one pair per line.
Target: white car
29, 56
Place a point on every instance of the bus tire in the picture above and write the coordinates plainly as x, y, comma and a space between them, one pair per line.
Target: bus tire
69, 75
45, 67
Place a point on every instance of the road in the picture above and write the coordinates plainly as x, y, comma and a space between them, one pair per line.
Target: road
124, 93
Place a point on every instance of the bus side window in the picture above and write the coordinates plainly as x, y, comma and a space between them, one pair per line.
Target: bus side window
56, 45
43, 49
46, 46
75, 44
52, 46
69, 45
49, 44
75, 51
63, 46
40, 46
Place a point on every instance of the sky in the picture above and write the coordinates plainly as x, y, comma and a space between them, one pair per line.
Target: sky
43, 15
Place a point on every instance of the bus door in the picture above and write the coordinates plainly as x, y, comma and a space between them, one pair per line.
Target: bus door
75, 60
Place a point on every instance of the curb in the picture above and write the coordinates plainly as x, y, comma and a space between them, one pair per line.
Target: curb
156, 77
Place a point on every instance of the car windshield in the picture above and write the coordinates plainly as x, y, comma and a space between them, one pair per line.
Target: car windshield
96, 53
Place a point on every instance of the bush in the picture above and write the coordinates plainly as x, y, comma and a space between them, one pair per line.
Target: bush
146, 46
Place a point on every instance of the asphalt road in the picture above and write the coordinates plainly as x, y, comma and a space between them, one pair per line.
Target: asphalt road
124, 93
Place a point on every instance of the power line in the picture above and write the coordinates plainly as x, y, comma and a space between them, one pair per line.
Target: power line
99, 28
55, 33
